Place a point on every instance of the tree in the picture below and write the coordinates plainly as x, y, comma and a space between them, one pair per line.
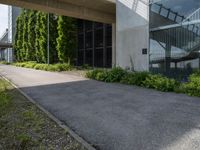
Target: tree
38, 37
43, 37
25, 35
16, 39
53, 34
66, 41
31, 35
19, 37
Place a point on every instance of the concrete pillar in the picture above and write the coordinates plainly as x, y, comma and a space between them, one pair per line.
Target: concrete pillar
132, 34
113, 45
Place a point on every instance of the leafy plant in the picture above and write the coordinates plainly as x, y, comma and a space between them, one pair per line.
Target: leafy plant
136, 78
66, 40
192, 87
115, 75
160, 83
93, 74
145, 79
39, 66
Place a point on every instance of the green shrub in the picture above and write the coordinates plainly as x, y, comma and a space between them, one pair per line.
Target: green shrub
30, 64
86, 66
136, 78
62, 67
93, 73
5, 62
102, 76
160, 83
115, 75
192, 87
46, 67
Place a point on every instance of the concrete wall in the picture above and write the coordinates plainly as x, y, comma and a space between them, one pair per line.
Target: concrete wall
132, 34
94, 10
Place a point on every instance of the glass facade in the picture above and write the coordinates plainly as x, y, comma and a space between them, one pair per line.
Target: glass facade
94, 44
174, 37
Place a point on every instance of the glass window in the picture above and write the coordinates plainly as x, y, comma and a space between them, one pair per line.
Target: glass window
109, 57
99, 54
164, 12
88, 25
155, 8
80, 41
109, 35
98, 58
80, 26
89, 57
99, 38
80, 58
172, 16
175, 44
89, 39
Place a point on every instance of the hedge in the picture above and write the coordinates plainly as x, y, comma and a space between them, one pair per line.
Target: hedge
51, 67
148, 80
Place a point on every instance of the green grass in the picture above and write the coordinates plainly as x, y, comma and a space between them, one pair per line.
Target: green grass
23, 126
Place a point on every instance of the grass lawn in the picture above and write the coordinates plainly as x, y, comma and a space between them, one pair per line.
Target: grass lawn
24, 127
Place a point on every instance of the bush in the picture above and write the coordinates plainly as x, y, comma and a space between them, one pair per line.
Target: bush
115, 75
160, 83
93, 73
192, 87
46, 67
136, 78
102, 76
144, 79
4, 62
39, 67
62, 67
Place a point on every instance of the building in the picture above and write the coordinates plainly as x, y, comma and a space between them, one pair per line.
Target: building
13, 13
161, 36
3, 41
9, 35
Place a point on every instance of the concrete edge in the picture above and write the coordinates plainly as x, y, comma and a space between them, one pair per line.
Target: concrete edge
51, 116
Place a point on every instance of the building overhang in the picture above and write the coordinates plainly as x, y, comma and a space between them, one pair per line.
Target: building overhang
95, 10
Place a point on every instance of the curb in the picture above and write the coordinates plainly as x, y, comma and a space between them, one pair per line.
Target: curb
61, 124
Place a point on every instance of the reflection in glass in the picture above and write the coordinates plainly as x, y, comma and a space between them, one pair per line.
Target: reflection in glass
175, 37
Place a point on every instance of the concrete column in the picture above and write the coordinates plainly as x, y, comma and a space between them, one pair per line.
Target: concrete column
132, 34
113, 45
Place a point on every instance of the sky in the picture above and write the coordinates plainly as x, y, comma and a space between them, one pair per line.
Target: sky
183, 7
3, 18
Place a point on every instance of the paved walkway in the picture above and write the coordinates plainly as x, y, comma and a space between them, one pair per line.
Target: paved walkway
114, 116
